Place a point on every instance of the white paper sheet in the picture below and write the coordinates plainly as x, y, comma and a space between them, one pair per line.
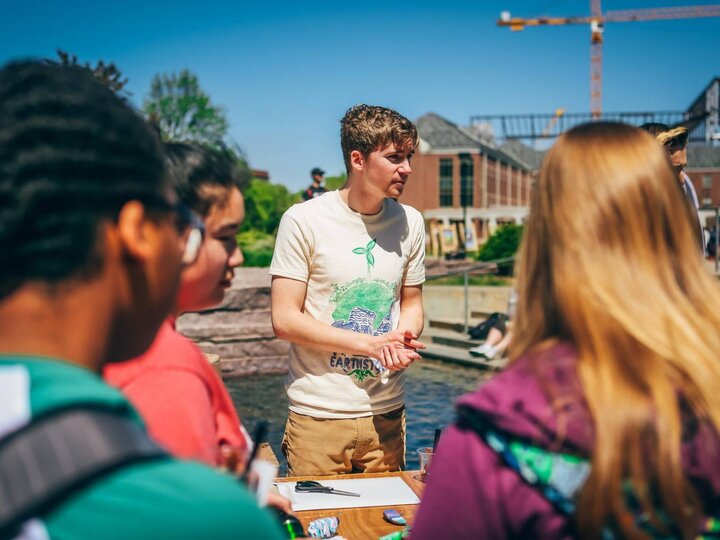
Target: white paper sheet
389, 491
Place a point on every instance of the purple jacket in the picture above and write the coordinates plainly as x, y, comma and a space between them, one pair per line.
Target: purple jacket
471, 493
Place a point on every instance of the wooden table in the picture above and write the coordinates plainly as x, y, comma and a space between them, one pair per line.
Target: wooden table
363, 523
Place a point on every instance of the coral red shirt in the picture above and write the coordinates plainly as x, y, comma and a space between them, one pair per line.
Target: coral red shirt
182, 399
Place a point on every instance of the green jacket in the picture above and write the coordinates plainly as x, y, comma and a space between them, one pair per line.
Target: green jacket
157, 499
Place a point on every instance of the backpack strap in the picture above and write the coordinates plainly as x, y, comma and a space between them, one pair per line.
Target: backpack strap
567, 475
48, 459
563, 475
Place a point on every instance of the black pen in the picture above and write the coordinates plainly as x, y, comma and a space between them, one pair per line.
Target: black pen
437, 439
258, 436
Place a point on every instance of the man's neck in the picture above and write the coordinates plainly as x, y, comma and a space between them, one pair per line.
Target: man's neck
68, 326
361, 199
682, 177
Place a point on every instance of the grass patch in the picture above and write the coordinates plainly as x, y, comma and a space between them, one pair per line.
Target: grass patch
483, 280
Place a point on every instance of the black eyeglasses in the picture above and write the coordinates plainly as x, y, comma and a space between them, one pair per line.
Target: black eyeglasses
186, 222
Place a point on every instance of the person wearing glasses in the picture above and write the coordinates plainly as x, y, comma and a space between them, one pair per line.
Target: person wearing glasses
91, 248
674, 141
182, 399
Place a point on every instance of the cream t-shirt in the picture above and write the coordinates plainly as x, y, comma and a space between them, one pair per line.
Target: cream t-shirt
354, 266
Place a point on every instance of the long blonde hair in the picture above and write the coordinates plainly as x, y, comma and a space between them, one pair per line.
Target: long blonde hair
609, 263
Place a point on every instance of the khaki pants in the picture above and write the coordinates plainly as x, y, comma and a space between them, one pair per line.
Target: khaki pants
314, 446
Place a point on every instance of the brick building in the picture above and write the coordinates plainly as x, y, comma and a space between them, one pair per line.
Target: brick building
703, 168
462, 182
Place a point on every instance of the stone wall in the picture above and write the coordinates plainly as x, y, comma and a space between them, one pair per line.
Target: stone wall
240, 330
448, 301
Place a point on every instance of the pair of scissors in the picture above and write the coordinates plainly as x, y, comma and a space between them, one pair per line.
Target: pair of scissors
311, 486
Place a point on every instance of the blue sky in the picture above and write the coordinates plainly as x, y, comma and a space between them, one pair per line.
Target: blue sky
286, 71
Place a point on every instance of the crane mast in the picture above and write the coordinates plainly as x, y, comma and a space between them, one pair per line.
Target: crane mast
597, 20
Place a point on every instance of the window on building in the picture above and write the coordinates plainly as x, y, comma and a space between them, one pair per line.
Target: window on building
466, 180
707, 181
446, 175
707, 201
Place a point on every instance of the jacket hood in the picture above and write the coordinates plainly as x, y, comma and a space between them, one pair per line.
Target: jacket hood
519, 401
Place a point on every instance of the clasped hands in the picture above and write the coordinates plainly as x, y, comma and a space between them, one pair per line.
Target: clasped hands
396, 350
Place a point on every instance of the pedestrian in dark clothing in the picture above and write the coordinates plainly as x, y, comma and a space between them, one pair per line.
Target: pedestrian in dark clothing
316, 188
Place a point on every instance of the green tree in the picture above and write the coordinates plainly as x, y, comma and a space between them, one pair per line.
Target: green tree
107, 73
502, 244
257, 247
265, 204
182, 110
335, 182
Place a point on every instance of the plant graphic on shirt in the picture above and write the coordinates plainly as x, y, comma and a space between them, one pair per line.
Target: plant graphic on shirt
361, 374
367, 251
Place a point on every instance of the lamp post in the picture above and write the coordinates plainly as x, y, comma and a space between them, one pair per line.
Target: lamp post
464, 159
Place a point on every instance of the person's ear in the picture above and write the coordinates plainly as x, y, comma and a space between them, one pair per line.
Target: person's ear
357, 160
135, 230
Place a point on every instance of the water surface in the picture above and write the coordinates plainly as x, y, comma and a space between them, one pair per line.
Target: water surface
430, 392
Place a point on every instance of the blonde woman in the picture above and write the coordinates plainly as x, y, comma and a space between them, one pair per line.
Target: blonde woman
605, 424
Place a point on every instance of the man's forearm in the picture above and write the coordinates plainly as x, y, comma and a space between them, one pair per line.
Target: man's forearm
302, 329
412, 313
413, 322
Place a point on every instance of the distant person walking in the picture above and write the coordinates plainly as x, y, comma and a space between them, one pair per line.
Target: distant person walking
316, 188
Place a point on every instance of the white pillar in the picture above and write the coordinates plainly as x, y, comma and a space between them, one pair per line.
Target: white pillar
492, 225
484, 182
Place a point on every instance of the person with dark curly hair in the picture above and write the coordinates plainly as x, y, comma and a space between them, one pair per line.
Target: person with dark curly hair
92, 240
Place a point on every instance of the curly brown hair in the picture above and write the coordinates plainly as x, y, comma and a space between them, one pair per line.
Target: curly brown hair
369, 127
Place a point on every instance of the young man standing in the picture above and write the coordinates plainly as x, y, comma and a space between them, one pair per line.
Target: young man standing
347, 282
91, 244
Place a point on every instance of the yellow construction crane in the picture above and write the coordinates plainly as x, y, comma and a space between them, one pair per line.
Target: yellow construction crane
597, 20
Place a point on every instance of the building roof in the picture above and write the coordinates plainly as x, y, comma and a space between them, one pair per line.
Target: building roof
441, 134
703, 157
698, 156
532, 157
700, 101
260, 174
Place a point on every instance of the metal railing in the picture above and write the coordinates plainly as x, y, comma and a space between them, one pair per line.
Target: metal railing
491, 267
476, 268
